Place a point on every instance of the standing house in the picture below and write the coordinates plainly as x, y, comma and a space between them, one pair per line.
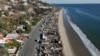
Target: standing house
12, 35
7, 40
1, 40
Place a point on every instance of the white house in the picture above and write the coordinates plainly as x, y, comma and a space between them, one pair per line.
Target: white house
11, 13
12, 35
6, 7
14, 1
20, 41
22, 12
12, 51
3, 41
21, 27
44, 37
24, 0
25, 4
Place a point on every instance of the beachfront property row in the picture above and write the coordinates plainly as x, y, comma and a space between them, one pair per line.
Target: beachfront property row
12, 41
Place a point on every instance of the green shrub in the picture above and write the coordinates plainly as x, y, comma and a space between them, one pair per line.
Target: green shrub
19, 31
0, 14
35, 21
6, 13
27, 29
11, 45
3, 52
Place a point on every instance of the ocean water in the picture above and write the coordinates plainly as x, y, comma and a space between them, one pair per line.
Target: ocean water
85, 20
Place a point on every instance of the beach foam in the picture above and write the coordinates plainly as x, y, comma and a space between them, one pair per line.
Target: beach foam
88, 44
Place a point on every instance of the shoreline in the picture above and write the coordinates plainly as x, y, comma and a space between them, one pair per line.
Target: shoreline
72, 44
67, 50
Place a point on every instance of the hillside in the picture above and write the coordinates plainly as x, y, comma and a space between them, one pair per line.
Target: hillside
20, 15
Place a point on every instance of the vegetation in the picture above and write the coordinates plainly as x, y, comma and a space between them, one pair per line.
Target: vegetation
22, 22
27, 29
7, 26
0, 13
6, 13
3, 52
14, 44
35, 21
9, 23
3, 24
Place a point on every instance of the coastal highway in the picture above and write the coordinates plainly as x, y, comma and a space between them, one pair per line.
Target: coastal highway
29, 46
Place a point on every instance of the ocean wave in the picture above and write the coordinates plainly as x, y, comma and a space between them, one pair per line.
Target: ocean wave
87, 14
88, 44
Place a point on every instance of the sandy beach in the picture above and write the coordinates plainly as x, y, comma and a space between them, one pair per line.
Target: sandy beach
64, 38
72, 44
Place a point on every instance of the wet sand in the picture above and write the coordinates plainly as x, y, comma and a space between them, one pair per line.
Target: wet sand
72, 44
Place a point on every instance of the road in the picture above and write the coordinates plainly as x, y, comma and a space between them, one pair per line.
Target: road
29, 46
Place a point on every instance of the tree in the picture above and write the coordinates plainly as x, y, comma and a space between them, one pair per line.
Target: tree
14, 44
3, 52
6, 13
27, 28
0, 14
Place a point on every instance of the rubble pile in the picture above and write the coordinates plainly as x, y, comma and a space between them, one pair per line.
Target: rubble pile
49, 43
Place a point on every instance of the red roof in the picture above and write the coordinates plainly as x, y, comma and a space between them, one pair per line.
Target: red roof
1, 37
